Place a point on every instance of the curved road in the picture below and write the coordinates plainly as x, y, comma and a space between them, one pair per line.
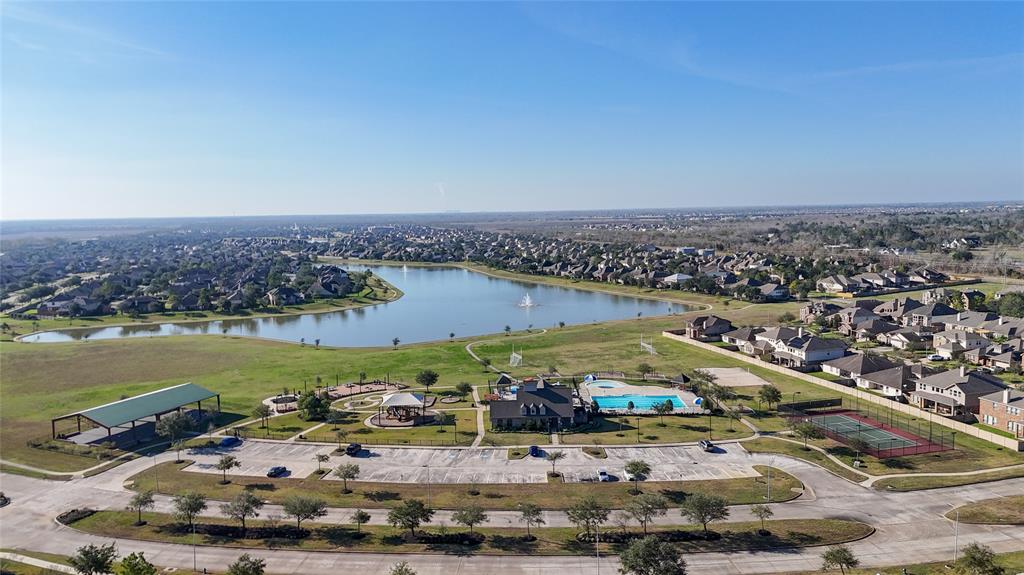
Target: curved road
910, 528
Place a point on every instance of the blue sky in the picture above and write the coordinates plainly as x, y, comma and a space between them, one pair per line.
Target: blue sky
166, 109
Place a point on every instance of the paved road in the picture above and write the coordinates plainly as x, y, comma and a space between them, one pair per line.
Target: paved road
910, 528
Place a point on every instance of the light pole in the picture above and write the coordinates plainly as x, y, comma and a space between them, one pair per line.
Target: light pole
427, 467
195, 569
597, 546
956, 535
795, 393
638, 430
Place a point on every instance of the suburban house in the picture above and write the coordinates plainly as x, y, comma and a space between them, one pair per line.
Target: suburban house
284, 295
908, 338
953, 343
839, 284
774, 292
707, 327
894, 382
856, 365
806, 350
927, 315
897, 308
954, 393
1003, 410
999, 356
812, 311
869, 330
741, 335
539, 406
848, 318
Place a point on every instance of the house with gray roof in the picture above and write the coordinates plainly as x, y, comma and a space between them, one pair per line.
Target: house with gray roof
954, 393
857, 364
537, 405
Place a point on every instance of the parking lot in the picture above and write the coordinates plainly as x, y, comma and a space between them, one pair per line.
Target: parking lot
484, 465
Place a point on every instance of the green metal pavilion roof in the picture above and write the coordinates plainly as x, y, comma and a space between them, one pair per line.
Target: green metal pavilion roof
145, 405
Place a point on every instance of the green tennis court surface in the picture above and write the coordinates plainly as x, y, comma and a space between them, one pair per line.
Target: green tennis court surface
854, 428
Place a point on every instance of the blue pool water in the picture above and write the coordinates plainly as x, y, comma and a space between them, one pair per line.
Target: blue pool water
640, 402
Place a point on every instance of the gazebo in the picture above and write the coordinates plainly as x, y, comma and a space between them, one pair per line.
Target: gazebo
403, 406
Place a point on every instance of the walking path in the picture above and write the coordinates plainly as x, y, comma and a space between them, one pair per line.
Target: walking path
480, 428
36, 562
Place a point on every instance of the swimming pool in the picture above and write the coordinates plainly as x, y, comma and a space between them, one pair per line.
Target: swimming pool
640, 402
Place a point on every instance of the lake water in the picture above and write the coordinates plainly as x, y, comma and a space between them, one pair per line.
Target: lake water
437, 301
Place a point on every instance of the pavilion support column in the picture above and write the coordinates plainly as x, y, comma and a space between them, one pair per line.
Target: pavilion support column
53, 429
218, 404
78, 419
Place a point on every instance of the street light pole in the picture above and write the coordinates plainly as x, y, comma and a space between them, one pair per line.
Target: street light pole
956, 535
195, 568
428, 484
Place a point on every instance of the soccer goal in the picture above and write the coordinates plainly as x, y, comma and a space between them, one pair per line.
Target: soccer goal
516, 359
648, 345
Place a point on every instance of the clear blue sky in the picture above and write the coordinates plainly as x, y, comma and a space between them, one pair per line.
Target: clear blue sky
158, 108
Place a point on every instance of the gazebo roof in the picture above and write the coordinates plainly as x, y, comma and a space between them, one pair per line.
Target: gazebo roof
403, 399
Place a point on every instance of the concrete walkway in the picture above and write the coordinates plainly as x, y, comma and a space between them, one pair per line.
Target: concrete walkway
481, 429
36, 562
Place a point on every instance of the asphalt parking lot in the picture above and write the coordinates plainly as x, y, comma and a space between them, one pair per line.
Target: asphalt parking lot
485, 465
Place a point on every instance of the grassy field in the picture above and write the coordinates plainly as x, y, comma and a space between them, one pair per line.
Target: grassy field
915, 482
1011, 562
998, 511
499, 541
650, 429
555, 495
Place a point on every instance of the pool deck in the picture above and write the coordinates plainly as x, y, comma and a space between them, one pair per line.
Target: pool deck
589, 391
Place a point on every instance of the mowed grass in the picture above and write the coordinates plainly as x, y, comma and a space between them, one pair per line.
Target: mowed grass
997, 511
552, 495
549, 541
626, 430
916, 482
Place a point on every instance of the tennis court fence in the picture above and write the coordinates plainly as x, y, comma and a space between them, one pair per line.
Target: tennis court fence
871, 428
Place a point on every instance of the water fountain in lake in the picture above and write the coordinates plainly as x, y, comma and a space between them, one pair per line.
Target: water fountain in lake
527, 301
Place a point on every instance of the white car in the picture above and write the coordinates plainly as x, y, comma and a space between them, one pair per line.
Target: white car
935, 357
602, 475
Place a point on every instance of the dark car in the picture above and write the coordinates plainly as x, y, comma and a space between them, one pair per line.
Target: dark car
706, 445
353, 449
534, 451
277, 471
230, 441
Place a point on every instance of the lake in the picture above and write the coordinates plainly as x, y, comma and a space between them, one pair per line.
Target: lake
437, 301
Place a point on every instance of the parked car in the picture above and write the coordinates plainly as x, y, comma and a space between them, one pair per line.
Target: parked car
602, 475
706, 445
934, 357
230, 441
534, 451
353, 449
277, 471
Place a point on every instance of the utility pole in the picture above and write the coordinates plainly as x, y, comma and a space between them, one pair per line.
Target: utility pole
956, 535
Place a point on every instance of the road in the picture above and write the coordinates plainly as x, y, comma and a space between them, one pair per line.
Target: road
910, 528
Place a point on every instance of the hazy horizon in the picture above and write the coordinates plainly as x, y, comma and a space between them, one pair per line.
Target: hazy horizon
170, 110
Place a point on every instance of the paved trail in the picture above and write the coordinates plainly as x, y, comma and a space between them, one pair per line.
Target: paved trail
910, 528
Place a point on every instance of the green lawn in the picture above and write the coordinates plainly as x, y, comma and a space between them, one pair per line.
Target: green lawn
503, 541
915, 482
608, 430
555, 495
998, 511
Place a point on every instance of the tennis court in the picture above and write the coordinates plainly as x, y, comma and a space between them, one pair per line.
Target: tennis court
852, 428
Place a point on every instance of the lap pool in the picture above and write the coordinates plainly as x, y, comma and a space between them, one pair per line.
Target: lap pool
640, 402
